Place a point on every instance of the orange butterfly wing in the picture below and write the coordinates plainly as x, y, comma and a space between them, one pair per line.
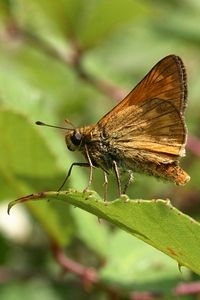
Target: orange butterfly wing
166, 81
149, 122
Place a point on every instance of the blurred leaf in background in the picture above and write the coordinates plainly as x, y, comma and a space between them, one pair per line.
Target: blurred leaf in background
74, 60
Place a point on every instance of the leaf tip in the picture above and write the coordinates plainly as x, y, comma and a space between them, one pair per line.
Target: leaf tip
9, 207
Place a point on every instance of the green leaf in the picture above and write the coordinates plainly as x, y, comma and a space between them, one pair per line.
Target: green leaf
94, 236
21, 138
132, 263
156, 222
26, 164
98, 19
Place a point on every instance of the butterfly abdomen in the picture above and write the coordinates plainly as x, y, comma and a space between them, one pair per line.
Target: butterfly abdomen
172, 172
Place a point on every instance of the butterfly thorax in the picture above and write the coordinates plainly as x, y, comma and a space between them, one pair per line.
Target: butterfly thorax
95, 143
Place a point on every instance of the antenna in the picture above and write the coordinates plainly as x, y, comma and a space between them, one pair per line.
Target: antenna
44, 124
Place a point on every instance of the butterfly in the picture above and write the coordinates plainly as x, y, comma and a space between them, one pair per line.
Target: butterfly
144, 133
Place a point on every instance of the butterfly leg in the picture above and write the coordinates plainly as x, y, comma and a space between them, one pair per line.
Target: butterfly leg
130, 179
105, 186
90, 165
70, 170
117, 176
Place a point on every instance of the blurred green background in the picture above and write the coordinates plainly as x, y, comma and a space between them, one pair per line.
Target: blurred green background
74, 60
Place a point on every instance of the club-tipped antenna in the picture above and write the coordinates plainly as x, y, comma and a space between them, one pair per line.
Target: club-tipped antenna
48, 125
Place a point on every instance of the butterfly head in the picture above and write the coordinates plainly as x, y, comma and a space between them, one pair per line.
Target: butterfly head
73, 136
73, 139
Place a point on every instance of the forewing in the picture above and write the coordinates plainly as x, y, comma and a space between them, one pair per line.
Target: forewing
154, 131
166, 81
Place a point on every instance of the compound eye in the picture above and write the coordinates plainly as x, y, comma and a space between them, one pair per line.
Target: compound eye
76, 138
